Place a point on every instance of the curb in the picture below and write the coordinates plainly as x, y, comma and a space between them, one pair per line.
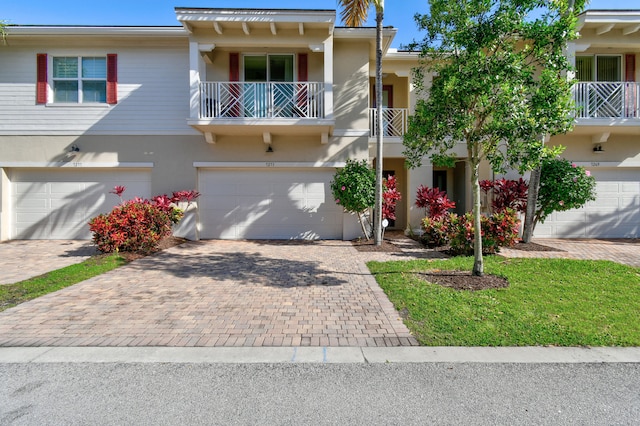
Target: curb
346, 355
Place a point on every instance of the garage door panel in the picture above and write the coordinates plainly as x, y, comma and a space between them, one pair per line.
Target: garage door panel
630, 187
630, 202
58, 204
614, 214
268, 204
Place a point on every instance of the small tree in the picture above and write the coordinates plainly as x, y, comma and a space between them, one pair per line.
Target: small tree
499, 86
563, 186
353, 188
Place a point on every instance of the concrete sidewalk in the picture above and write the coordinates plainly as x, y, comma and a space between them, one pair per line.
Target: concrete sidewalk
529, 355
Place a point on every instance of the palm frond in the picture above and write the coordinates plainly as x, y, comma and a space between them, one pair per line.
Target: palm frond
354, 12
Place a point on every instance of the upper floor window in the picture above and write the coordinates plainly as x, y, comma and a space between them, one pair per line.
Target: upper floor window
599, 68
79, 79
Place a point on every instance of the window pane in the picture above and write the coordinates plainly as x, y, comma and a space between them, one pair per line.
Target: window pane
280, 68
94, 67
584, 68
65, 67
65, 91
609, 68
255, 68
94, 91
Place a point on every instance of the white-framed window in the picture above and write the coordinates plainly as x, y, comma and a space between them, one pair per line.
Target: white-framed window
599, 67
79, 79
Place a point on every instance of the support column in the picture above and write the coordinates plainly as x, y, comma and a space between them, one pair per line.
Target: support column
195, 66
328, 78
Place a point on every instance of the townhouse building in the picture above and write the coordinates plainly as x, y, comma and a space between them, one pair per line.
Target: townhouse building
256, 109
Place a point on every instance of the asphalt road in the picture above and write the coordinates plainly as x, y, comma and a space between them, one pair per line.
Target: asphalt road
319, 394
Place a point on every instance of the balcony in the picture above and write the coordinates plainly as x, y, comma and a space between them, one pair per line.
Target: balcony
607, 101
394, 122
239, 100
241, 108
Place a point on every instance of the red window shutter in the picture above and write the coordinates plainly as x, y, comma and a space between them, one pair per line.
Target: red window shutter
234, 67
303, 73
112, 78
41, 83
630, 67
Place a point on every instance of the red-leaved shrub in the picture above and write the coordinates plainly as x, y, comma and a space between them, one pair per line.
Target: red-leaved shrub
434, 201
498, 230
507, 194
138, 224
390, 198
132, 226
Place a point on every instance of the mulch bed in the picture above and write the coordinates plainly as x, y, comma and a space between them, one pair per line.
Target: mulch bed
463, 280
457, 280
369, 246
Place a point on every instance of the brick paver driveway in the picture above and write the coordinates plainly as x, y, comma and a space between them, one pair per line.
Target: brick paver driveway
218, 293
23, 259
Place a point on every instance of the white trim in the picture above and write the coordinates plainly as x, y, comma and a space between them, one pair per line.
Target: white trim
351, 132
76, 164
170, 31
268, 164
146, 132
608, 122
616, 164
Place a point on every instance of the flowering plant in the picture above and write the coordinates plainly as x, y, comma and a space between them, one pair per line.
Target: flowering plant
563, 186
353, 187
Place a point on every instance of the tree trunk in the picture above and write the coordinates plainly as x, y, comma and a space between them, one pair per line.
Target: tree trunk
478, 261
379, 129
532, 199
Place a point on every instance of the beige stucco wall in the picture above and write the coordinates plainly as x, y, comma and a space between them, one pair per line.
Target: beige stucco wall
618, 148
351, 85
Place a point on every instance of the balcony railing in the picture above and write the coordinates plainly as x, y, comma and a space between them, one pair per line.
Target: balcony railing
607, 100
231, 100
394, 122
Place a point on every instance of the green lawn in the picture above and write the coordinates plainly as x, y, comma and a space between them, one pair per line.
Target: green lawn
13, 294
549, 302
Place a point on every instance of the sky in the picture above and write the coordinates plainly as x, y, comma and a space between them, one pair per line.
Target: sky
398, 13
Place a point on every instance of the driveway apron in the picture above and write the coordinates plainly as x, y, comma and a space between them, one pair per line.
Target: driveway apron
218, 293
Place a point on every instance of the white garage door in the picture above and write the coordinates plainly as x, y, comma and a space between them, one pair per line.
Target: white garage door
58, 204
268, 204
614, 214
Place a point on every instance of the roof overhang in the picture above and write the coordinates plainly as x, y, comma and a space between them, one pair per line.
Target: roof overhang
604, 21
367, 33
246, 19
